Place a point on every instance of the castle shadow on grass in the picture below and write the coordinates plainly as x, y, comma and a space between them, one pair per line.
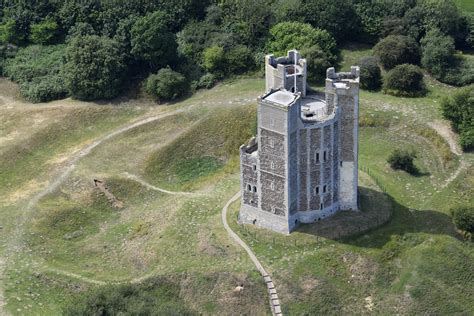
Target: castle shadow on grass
380, 218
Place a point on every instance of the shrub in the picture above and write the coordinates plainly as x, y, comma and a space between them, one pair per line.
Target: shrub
294, 35
44, 89
151, 297
463, 218
239, 59
207, 81
317, 63
401, 159
94, 68
13, 32
438, 53
152, 41
167, 85
404, 80
43, 32
38, 71
213, 60
459, 109
397, 49
370, 75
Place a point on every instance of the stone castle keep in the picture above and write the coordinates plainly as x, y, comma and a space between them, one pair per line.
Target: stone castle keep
302, 166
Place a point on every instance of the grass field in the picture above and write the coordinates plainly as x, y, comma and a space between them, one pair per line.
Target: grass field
465, 5
75, 240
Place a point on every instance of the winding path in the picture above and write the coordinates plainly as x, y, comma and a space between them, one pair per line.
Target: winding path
274, 300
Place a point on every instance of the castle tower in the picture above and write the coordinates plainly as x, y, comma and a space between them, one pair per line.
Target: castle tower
302, 166
342, 90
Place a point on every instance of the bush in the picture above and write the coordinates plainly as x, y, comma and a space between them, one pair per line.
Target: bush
206, 82
463, 218
317, 63
213, 60
38, 71
167, 85
459, 109
152, 297
404, 80
370, 75
440, 60
152, 41
239, 59
294, 35
44, 89
94, 68
397, 49
12, 32
403, 160
43, 32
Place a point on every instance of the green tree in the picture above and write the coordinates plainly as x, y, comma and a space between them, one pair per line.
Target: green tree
318, 61
214, 60
10, 33
294, 35
152, 41
401, 159
338, 17
370, 74
438, 53
463, 218
459, 109
94, 67
44, 32
404, 80
167, 85
397, 49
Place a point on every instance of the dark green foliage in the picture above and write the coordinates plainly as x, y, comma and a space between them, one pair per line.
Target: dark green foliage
440, 60
207, 81
317, 63
38, 71
167, 85
11, 32
463, 218
404, 80
459, 109
396, 49
370, 74
213, 60
250, 20
152, 40
401, 159
153, 297
94, 68
338, 17
239, 59
294, 35
438, 53
44, 32
80, 29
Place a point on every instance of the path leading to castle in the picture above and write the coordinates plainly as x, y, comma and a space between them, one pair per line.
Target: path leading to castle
273, 296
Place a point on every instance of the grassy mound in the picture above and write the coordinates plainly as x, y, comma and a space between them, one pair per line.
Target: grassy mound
207, 148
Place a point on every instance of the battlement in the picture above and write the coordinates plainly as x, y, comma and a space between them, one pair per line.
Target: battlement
353, 75
287, 72
251, 147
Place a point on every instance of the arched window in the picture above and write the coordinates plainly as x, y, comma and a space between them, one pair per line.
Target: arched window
249, 187
254, 189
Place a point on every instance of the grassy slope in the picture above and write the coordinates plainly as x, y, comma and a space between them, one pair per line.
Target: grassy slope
465, 5
181, 236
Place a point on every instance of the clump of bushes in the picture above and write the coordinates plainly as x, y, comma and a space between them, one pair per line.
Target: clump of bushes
397, 49
404, 80
441, 62
94, 67
38, 71
207, 81
401, 159
167, 85
152, 297
370, 74
463, 218
459, 109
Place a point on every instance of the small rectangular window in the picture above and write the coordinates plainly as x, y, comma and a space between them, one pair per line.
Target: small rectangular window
255, 189
321, 207
254, 167
317, 190
249, 187
324, 189
272, 186
325, 156
340, 163
317, 157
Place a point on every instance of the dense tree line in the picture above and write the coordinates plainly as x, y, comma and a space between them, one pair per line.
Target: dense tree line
105, 42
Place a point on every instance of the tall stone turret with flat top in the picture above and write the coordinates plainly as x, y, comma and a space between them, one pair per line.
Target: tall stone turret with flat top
302, 166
